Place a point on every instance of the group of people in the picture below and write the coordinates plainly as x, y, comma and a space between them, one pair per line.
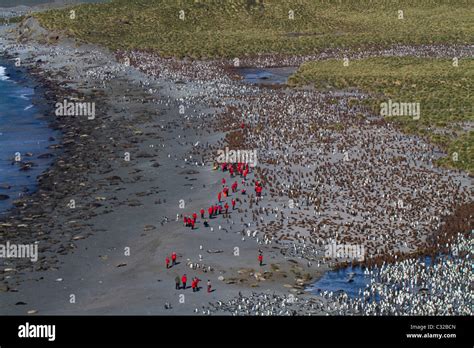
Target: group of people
172, 262
213, 211
222, 206
181, 283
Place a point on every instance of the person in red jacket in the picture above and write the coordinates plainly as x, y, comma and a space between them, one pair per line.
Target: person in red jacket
184, 279
219, 196
226, 206
194, 217
173, 258
260, 259
223, 181
195, 284
202, 213
210, 210
233, 204
167, 262
193, 222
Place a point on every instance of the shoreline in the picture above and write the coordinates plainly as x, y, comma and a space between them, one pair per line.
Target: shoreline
24, 76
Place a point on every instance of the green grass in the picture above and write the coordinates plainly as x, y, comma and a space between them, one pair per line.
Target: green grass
11, 20
445, 94
234, 28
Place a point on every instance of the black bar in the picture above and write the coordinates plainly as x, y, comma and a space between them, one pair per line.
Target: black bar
136, 330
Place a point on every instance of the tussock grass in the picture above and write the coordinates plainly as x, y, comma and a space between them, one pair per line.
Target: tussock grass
234, 28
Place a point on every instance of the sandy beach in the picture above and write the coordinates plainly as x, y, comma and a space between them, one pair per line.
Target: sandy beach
146, 160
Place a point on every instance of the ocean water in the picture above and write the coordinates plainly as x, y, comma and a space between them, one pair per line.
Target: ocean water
24, 130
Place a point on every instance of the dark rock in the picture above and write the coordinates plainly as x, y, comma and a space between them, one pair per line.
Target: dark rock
143, 154
114, 178
45, 155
